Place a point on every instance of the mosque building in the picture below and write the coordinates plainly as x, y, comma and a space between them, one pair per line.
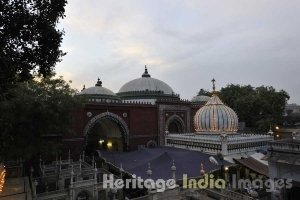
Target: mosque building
146, 112
216, 127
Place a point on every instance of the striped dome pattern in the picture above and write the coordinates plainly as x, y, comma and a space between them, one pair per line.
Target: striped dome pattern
214, 116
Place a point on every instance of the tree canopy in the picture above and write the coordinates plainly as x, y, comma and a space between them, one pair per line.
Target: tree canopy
258, 107
204, 92
35, 109
29, 39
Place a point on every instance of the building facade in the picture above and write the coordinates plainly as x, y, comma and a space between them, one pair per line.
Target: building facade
140, 114
146, 112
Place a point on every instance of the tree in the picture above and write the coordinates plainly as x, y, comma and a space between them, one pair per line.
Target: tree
259, 107
29, 39
204, 92
36, 109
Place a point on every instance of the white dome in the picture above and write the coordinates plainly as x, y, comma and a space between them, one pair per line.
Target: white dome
200, 98
214, 116
97, 90
146, 84
145, 88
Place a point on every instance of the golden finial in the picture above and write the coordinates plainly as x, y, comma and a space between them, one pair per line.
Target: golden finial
214, 85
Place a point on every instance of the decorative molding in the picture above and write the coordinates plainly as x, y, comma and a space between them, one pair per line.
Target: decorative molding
162, 108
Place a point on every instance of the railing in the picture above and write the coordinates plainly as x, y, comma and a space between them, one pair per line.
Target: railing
285, 146
53, 194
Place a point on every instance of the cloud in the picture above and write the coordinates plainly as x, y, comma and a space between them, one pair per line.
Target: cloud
185, 43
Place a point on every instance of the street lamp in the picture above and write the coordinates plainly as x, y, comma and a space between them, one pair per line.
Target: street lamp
109, 145
101, 142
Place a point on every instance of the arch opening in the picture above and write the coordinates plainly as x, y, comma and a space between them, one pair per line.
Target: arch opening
106, 132
175, 125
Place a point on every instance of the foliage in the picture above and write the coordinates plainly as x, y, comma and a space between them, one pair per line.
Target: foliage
259, 107
29, 39
204, 92
33, 110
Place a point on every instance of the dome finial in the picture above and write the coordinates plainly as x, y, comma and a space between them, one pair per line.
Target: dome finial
146, 74
99, 83
214, 85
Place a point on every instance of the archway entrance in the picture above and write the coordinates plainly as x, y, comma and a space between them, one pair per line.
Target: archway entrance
175, 127
106, 131
175, 124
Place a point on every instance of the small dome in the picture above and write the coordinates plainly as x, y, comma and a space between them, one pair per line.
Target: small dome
146, 87
200, 99
214, 116
97, 90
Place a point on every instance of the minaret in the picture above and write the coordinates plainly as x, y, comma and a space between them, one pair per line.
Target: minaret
149, 171
146, 74
214, 86
202, 172
173, 169
270, 131
99, 83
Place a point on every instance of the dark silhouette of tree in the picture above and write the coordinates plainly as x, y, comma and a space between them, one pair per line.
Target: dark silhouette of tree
29, 39
204, 92
259, 107
37, 109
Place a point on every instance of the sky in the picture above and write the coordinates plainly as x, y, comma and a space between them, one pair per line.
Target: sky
184, 43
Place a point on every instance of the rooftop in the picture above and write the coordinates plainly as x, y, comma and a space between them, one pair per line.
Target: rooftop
161, 159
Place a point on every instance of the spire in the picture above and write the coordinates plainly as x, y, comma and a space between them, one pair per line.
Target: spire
149, 171
146, 74
99, 83
173, 169
214, 85
202, 171
83, 88
270, 131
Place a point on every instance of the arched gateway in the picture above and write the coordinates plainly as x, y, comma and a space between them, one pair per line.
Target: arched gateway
106, 131
175, 124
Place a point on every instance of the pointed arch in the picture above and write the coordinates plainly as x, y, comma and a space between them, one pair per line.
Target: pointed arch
175, 119
111, 116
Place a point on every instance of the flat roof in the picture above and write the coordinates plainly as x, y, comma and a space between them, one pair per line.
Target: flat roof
161, 159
